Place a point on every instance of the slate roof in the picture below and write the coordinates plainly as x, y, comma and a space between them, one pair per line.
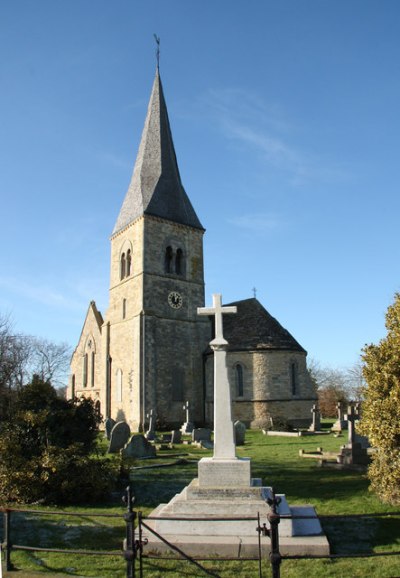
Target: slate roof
252, 328
156, 188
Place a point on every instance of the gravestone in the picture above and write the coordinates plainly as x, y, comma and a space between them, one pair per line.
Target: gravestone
151, 432
316, 419
108, 425
119, 436
188, 426
201, 434
240, 432
340, 424
199, 519
138, 447
353, 453
176, 436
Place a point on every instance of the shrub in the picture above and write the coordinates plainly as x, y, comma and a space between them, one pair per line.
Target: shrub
45, 450
381, 408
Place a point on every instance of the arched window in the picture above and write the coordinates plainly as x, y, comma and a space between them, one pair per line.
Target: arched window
128, 262
97, 406
92, 369
239, 380
85, 370
168, 259
294, 378
119, 385
178, 261
123, 308
122, 266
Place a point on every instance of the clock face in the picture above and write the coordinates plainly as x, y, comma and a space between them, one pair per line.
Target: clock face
175, 300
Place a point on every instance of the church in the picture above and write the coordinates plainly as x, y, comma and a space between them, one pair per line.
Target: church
150, 350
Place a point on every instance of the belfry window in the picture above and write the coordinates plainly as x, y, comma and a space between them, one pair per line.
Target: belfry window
239, 380
128, 262
122, 266
178, 261
168, 260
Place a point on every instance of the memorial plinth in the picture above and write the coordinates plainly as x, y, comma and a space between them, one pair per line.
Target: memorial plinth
224, 489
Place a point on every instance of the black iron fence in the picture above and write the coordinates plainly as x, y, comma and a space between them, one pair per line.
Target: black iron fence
134, 551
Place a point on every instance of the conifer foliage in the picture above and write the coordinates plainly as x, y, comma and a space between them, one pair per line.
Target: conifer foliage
381, 408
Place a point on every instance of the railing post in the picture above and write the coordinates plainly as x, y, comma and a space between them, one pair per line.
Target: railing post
7, 539
129, 542
274, 519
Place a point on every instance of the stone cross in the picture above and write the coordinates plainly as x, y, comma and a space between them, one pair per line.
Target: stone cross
351, 418
217, 310
150, 434
186, 407
224, 437
316, 422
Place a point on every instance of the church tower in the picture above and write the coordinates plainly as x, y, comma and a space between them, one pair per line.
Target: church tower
152, 339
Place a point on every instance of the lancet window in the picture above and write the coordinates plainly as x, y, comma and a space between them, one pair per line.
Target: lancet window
239, 380
168, 259
122, 266
294, 378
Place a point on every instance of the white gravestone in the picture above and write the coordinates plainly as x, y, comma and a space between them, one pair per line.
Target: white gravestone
224, 468
188, 425
151, 432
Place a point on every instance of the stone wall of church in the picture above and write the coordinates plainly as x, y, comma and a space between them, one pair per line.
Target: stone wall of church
156, 349
175, 337
273, 384
86, 377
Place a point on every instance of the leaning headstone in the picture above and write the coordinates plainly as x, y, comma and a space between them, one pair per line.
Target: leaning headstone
138, 447
108, 425
188, 426
119, 436
240, 433
316, 419
201, 434
176, 436
151, 432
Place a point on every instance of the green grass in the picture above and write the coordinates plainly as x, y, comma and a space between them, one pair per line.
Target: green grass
277, 461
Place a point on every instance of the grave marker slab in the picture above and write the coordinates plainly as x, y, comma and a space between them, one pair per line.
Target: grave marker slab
120, 434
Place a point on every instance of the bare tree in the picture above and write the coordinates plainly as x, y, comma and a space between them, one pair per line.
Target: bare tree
332, 386
356, 381
22, 356
50, 360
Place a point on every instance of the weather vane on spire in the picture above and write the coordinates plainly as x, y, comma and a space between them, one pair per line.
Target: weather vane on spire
157, 39
254, 292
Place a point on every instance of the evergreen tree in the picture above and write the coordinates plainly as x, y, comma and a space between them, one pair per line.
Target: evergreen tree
381, 408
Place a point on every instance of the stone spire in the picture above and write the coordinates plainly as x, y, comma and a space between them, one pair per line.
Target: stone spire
156, 188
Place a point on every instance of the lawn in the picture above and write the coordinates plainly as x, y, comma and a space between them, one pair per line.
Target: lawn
276, 460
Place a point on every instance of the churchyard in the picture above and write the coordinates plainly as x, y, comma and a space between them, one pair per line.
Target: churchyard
276, 460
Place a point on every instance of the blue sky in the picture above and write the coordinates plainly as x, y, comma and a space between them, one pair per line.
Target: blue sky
285, 117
